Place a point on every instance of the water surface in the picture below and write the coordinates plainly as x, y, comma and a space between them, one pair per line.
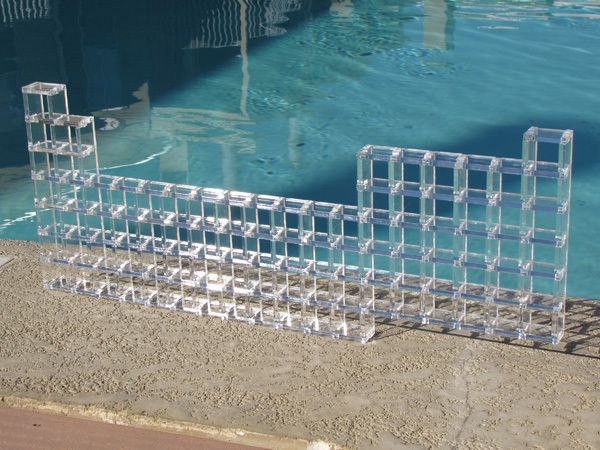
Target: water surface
277, 96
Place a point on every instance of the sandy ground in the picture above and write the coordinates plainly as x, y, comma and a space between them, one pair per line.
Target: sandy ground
21, 429
408, 388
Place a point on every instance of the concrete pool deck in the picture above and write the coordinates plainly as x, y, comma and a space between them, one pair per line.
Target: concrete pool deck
408, 388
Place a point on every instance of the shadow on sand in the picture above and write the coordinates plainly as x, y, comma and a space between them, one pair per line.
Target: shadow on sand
582, 331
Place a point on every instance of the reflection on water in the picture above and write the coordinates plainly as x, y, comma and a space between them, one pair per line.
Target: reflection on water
106, 51
23, 10
438, 24
120, 58
212, 125
122, 61
514, 10
233, 22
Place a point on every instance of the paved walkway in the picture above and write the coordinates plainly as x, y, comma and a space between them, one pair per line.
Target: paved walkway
24, 429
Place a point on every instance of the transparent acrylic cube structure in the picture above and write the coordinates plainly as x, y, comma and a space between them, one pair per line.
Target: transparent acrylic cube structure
463, 241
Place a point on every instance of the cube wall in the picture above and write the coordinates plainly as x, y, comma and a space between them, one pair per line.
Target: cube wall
463, 241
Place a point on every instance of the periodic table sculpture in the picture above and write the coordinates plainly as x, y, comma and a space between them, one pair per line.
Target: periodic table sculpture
462, 241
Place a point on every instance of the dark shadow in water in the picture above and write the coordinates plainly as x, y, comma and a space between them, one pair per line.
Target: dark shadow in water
105, 50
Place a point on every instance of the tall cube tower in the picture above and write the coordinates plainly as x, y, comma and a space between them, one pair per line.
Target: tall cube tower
62, 149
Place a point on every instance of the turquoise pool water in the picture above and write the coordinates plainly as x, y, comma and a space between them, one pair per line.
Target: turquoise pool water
276, 97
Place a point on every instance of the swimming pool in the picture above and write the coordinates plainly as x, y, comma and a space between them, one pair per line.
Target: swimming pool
277, 96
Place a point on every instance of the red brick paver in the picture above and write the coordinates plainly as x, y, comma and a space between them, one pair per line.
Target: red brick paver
30, 430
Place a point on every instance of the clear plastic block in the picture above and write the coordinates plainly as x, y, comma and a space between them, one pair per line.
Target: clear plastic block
460, 241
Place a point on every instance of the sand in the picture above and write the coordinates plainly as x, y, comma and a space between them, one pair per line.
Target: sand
408, 388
